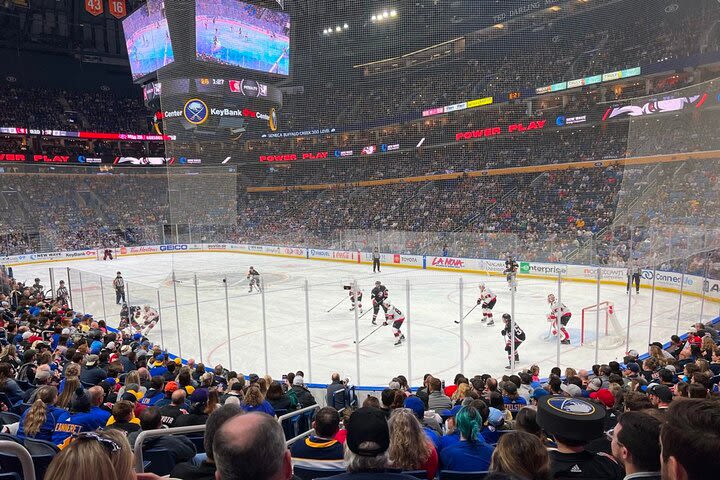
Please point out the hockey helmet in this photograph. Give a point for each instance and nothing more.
(387, 304)
(551, 298)
(481, 285)
(378, 283)
(506, 317)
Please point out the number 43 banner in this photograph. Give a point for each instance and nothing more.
(118, 8)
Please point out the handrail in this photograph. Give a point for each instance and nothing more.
(28, 468)
(137, 448)
(299, 437)
(295, 413)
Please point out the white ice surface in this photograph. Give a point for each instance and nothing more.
(434, 305)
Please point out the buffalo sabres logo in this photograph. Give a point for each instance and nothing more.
(196, 111)
(571, 405)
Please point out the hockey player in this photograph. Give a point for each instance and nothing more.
(150, 318)
(507, 332)
(356, 299)
(487, 300)
(107, 254)
(392, 314)
(379, 295)
(511, 268)
(254, 278)
(558, 310)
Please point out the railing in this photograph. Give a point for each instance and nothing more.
(161, 432)
(28, 468)
(295, 413)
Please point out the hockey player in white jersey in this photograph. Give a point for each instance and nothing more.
(356, 299)
(558, 310)
(487, 300)
(394, 315)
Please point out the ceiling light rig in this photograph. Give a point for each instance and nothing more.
(336, 29)
(384, 16)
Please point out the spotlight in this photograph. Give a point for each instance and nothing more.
(373, 18)
(338, 29)
(385, 14)
(346, 26)
(393, 13)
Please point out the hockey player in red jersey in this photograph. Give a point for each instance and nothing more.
(507, 332)
(558, 310)
(394, 315)
(487, 300)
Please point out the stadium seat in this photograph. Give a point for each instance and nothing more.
(10, 476)
(161, 461)
(311, 473)
(453, 475)
(23, 384)
(198, 441)
(4, 400)
(415, 473)
(42, 453)
(8, 418)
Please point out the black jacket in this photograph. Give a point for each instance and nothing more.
(179, 446)
(305, 398)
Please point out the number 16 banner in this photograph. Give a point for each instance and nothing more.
(118, 8)
(94, 7)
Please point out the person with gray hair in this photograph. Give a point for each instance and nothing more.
(304, 397)
(366, 448)
(251, 447)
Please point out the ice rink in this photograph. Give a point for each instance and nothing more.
(433, 339)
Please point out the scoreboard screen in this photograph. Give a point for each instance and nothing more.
(238, 34)
(147, 38)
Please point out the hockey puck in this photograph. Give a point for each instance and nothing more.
(571, 418)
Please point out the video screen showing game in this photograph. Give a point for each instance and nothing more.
(229, 32)
(147, 37)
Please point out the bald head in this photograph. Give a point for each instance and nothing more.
(178, 397)
(251, 447)
(96, 395)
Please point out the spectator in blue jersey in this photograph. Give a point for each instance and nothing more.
(155, 393)
(418, 408)
(91, 373)
(471, 453)
(206, 469)
(87, 415)
(512, 399)
(39, 420)
(453, 434)
(254, 401)
(158, 366)
(320, 451)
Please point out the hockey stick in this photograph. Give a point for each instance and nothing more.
(363, 314)
(333, 308)
(458, 321)
(366, 336)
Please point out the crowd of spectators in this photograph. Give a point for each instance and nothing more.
(90, 390)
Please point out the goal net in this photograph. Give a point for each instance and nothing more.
(607, 333)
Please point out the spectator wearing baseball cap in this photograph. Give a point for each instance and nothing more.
(368, 439)
(471, 453)
(660, 395)
(158, 366)
(197, 414)
(418, 408)
(631, 375)
(512, 399)
(453, 434)
(91, 373)
(571, 390)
